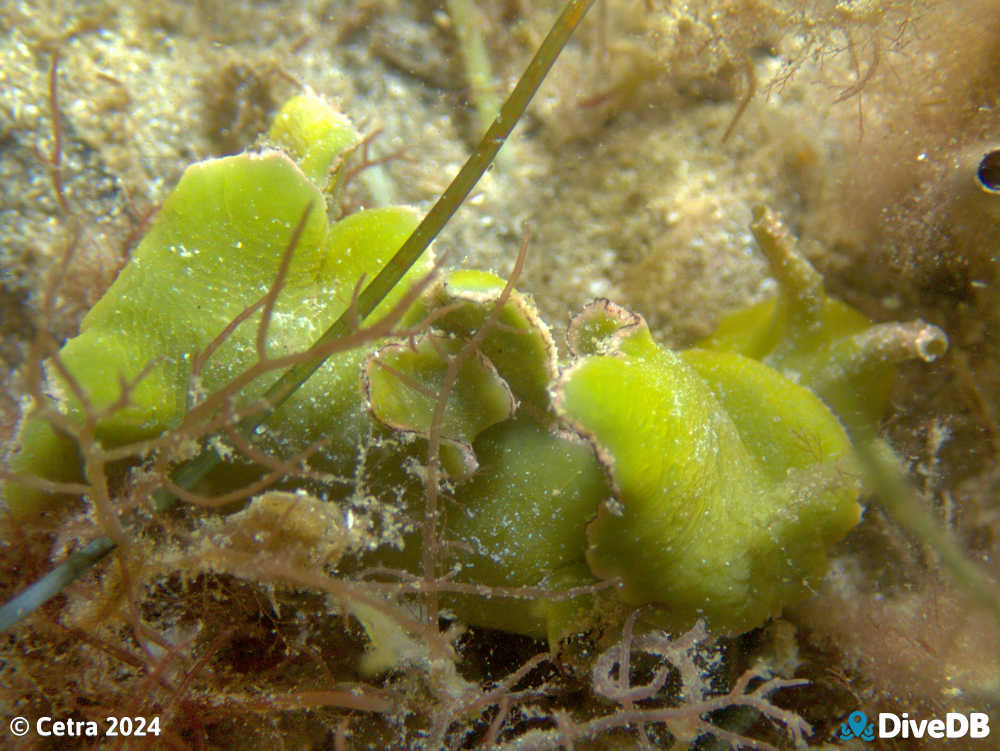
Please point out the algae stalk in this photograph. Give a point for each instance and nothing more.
(478, 74)
(899, 502)
(30, 599)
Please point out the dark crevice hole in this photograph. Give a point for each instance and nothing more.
(989, 171)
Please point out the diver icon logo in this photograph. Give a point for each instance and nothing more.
(954, 725)
(857, 726)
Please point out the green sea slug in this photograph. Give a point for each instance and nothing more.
(717, 478)
(709, 483)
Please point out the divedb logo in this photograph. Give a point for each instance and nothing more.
(889, 725)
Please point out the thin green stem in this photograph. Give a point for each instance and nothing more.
(33, 597)
(902, 505)
(467, 21)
